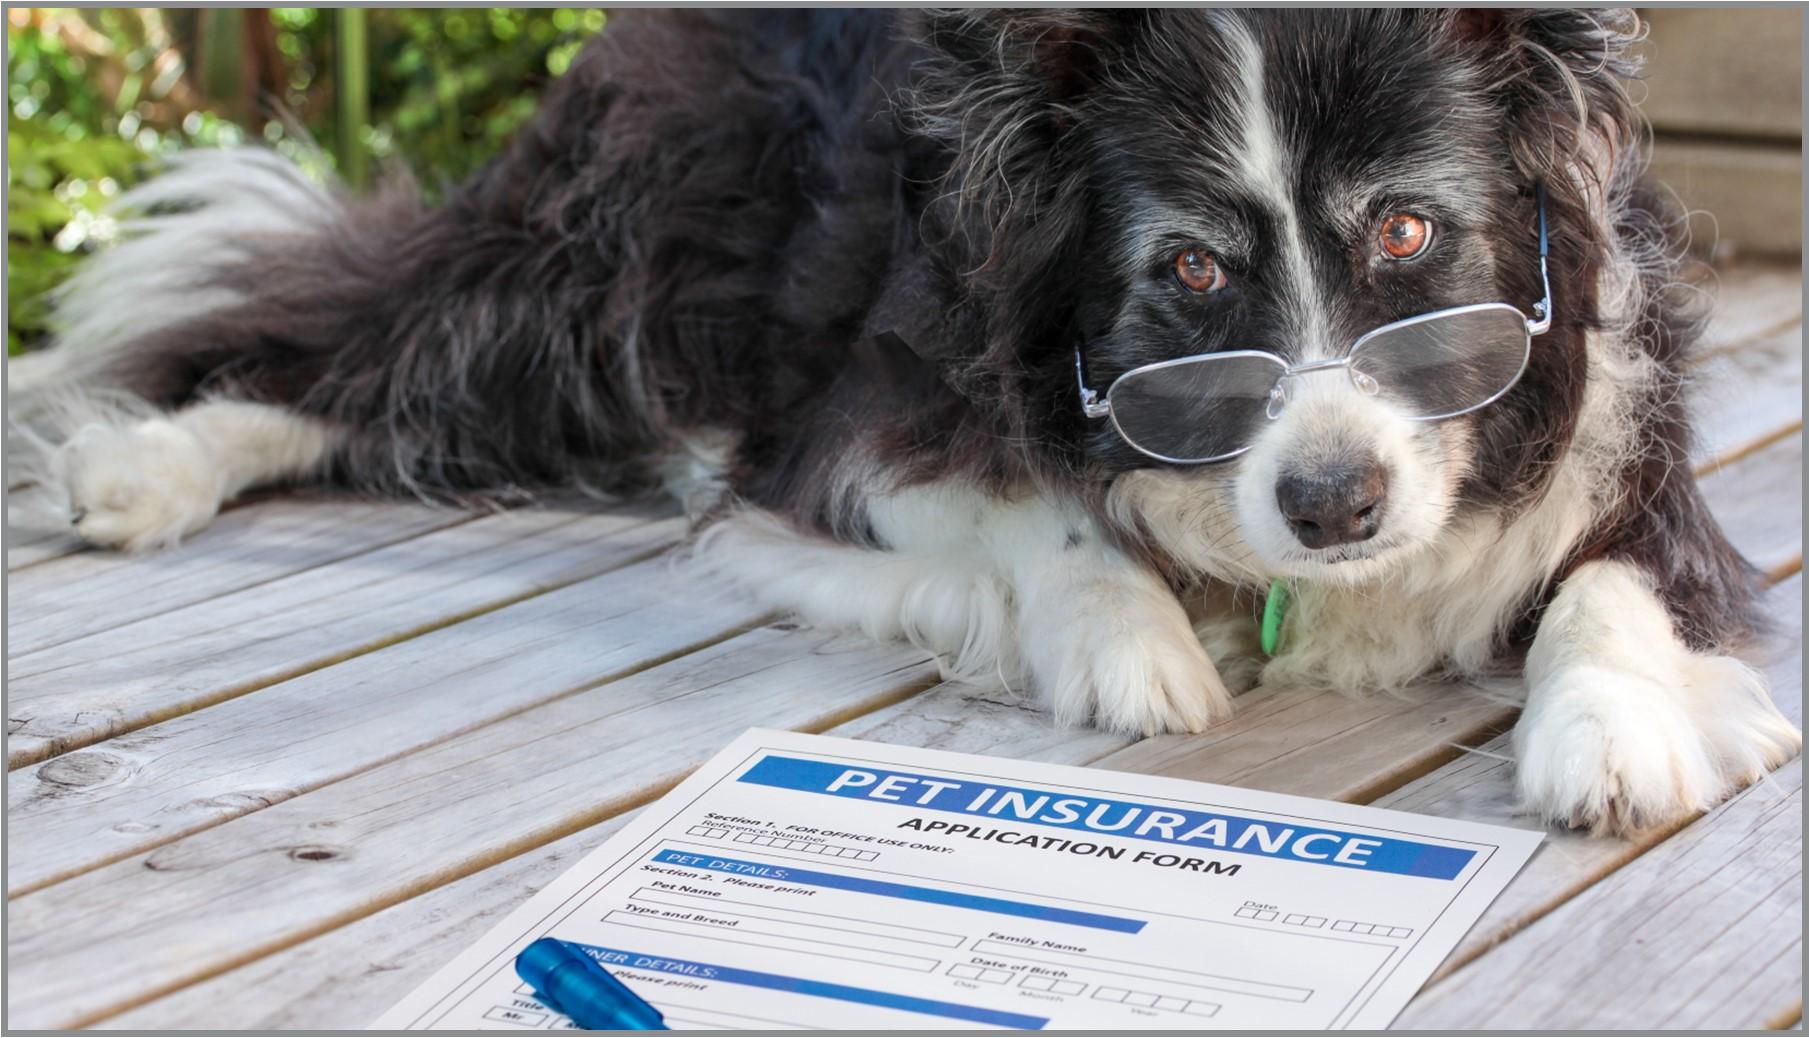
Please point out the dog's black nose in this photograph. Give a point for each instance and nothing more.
(1337, 506)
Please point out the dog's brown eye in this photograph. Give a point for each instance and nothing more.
(1405, 235)
(1198, 271)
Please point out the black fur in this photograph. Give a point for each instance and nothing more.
(712, 211)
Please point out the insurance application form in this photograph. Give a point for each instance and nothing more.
(799, 881)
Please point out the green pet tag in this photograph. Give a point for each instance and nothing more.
(1275, 607)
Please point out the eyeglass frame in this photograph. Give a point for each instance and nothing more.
(1093, 405)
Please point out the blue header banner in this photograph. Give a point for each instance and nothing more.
(1198, 830)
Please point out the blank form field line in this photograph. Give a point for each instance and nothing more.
(826, 949)
(1169, 974)
(700, 1011)
(785, 914)
(730, 921)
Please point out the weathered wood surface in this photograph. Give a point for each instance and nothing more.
(1757, 301)
(346, 978)
(1743, 200)
(1759, 500)
(248, 546)
(26, 546)
(1725, 71)
(1745, 395)
(330, 833)
(1728, 122)
(273, 877)
(148, 787)
(1703, 931)
(69, 695)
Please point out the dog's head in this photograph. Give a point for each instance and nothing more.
(1180, 183)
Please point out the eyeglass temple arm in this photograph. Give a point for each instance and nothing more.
(1542, 309)
(1090, 403)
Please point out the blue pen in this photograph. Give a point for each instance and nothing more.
(573, 983)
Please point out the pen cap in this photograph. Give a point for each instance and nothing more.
(583, 990)
(539, 961)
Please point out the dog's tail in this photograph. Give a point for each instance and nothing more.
(603, 286)
(210, 209)
(177, 236)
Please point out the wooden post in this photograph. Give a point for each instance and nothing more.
(222, 71)
(353, 89)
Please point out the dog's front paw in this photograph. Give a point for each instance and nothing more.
(139, 487)
(1132, 665)
(1614, 752)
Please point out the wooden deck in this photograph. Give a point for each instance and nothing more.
(278, 776)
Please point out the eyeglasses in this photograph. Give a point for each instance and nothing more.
(1210, 407)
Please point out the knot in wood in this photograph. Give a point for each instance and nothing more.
(81, 770)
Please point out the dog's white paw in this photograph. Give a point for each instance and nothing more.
(138, 487)
(1614, 752)
(1131, 664)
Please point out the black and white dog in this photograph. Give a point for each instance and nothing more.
(893, 296)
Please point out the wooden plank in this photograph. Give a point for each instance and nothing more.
(1769, 975)
(1744, 200)
(146, 788)
(1751, 302)
(1724, 71)
(1759, 501)
(1671, 940)
(28, 547)
(965, 718)
(1749, 394)
(344, 979)
(1323, 743)
(1480, 787)
(76, 693)
(263, 881)
(93, 591)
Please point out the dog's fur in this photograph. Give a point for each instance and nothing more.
(685, 269)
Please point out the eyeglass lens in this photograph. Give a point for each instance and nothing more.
(1196, 410)
(1448, 364)
(1211, 407)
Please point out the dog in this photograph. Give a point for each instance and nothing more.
(918, 310)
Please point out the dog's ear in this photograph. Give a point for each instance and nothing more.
(1003, 93)
(1560, 79)
(1047, 56)
(1000, 90)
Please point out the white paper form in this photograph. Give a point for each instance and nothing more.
(800, 881)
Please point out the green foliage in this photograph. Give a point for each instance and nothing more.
(57, 186)
(99, 95)
(457, 85)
